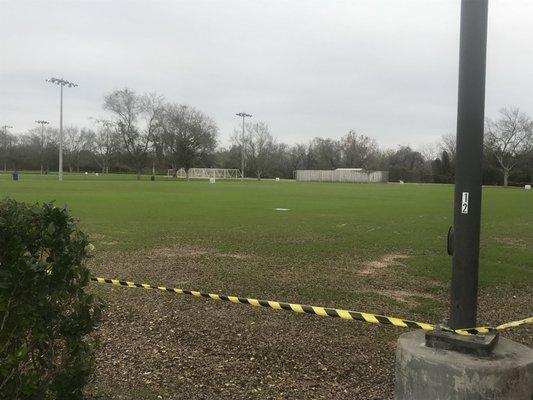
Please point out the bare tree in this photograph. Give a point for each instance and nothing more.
(430, 151)
(188, 135)
(103, 144)
(260, 147)
(449, 145)
(75, 141)
(7, 142)
(357, 150)
(508, 138)
(47, 138)
(324, 153)
(136, 119)
(297, 157)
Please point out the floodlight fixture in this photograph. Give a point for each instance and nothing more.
(243, 115)
(61, 83)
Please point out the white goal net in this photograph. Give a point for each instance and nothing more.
(205, 173)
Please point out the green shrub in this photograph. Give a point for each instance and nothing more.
(45, 313)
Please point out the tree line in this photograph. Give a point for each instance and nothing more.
(144, 133)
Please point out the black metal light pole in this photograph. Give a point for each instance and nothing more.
(468, 172)
(243, 115)
(486, 368)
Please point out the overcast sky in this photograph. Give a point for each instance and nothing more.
(387, 69)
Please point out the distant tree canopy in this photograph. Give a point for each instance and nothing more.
(188, 136)
(405, 164)
(358, 150)
(143, 132)
(136, 119)
(442, 169)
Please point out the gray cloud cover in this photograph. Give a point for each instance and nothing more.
(307, 68)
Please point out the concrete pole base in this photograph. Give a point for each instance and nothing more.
(424, 373)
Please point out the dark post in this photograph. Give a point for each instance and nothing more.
(489, 366)
(468, 173)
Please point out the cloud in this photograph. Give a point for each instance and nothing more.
(314, 68)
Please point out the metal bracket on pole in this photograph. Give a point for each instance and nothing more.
(480, 345)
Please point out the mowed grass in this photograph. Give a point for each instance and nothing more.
(374, 248)
(324, 222)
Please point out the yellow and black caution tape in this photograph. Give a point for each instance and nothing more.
(322, 311)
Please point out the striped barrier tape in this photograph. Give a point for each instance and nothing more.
(321, 311)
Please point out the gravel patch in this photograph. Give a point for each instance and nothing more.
(156, 345)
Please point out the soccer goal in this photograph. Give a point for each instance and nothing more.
(205, 173)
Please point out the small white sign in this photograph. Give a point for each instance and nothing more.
(527, 187)
(464, 203)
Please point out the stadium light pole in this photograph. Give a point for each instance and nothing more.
(42, 123)
(428, 365)
(5, 128)
(61, 82)
(243, 115)
(468, 171)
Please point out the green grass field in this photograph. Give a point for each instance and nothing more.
(324, 222)
(375, 248)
